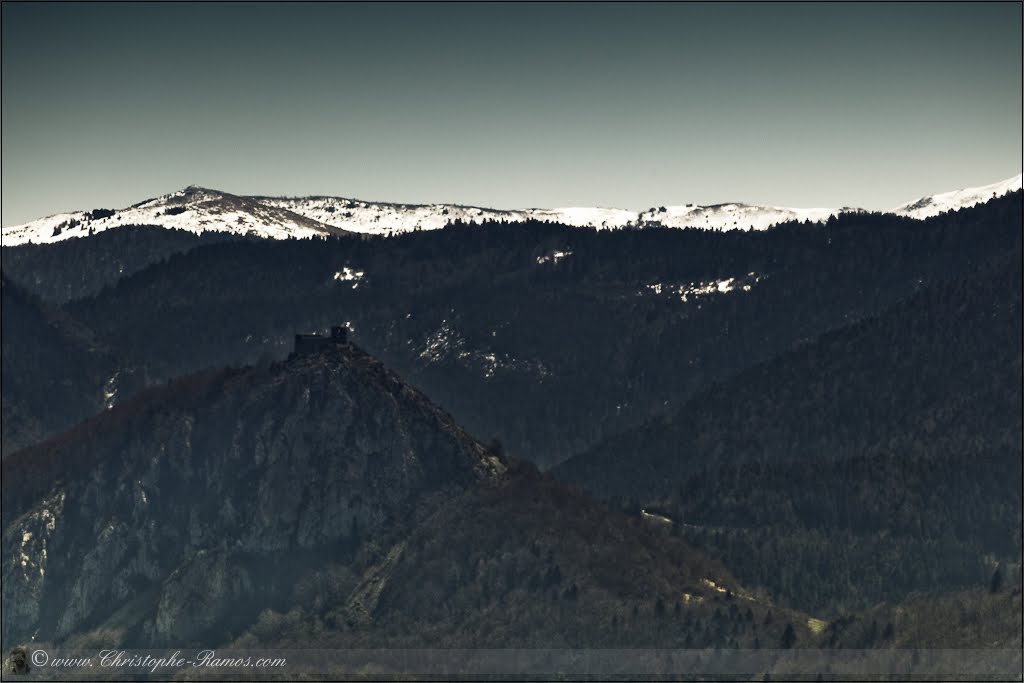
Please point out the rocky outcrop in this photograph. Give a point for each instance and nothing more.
(175, 509)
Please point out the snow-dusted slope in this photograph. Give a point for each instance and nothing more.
(381, 218)
(197, 209)
(732, 216)
(957, 199)
(585, 217)
(194, 209)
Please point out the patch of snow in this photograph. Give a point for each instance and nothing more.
(347, 274)
(110, 391)
(446, 343)
(442, 343)
(699, 289)
(654, 517)
(489, 363)
(26, 536)
(36, 528)
(553, 257)
(712, 585)
(140, 493)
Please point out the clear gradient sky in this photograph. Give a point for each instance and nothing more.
(510, 105)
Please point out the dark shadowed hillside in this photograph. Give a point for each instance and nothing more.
(55, 371)
(524, 562)
(77, 268)
(881, 459)
(323, 502)
(250, 474)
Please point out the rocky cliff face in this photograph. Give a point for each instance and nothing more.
(169, 513)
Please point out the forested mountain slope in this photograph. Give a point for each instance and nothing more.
(545, 337)
(55, 370)
(322, 501)
(883, 458)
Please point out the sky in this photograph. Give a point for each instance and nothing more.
(508, 105)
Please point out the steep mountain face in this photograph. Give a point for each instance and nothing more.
(217, 490)
(55, 371)
(201, 210)
(889, 451)
(323, 502)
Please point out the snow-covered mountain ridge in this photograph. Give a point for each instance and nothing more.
(957, 199)
(199, 209)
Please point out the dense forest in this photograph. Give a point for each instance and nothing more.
(884, 457)
(81, 267)
(56, 372)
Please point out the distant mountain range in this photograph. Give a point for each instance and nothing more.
(199, 210)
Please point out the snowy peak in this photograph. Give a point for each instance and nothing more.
(926, 207)
(195, 209)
